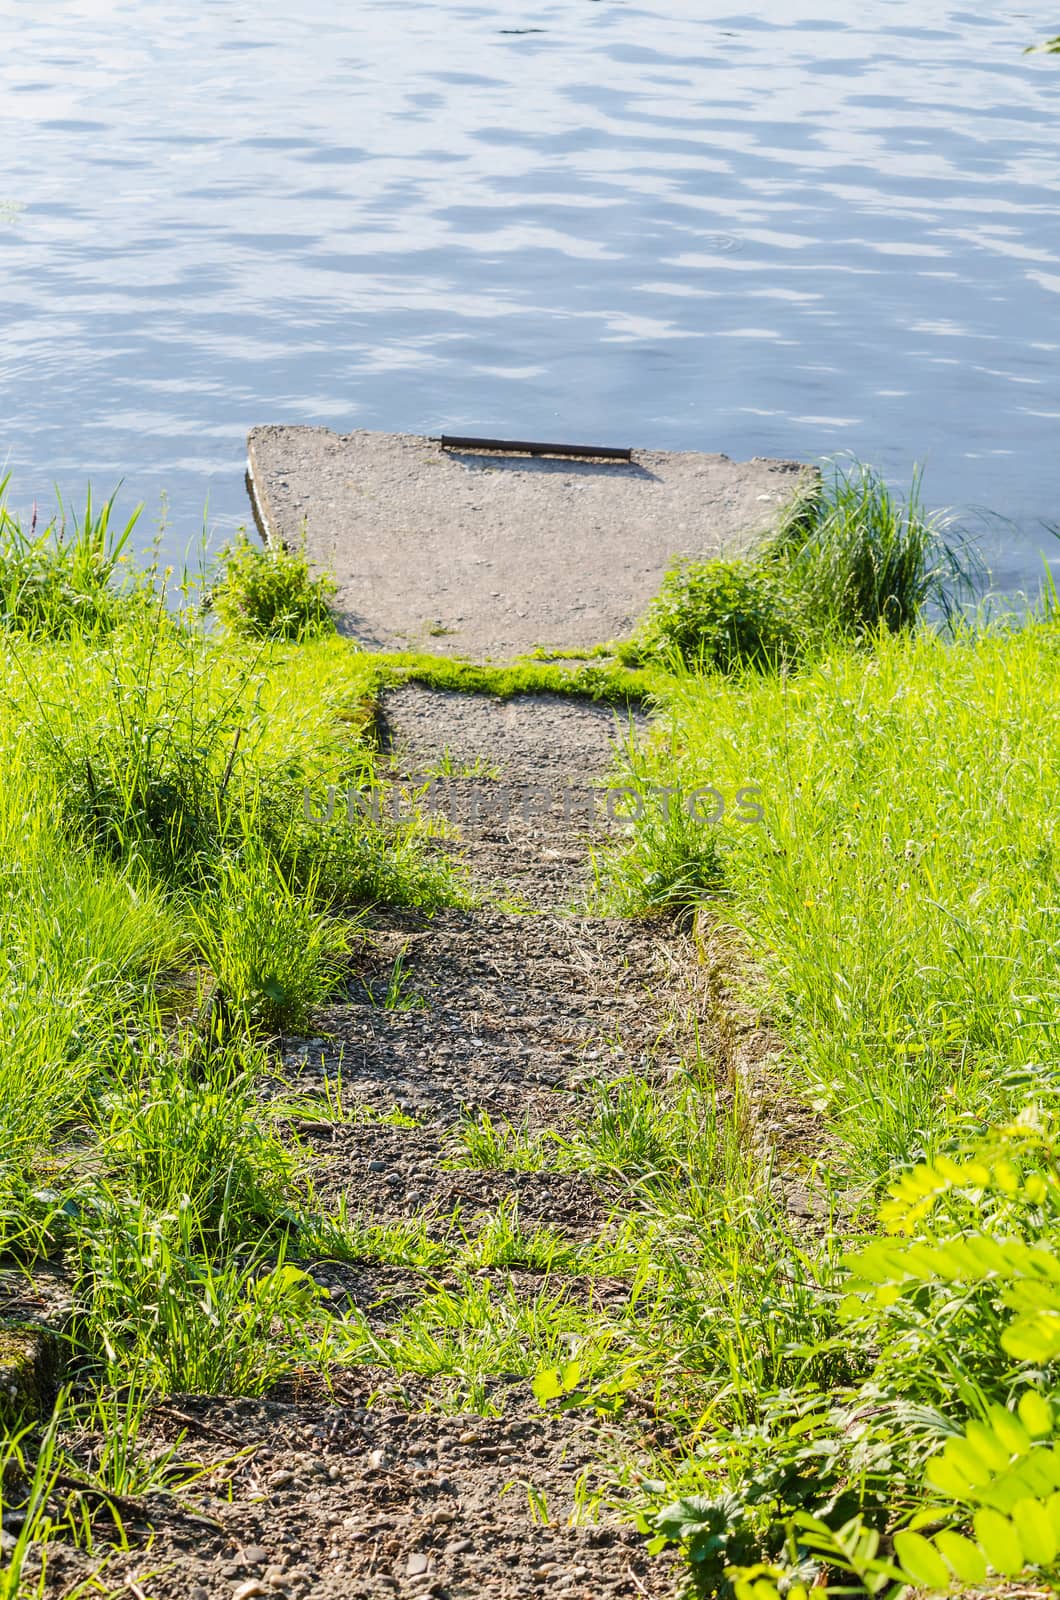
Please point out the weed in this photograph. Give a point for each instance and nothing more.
(671, 863)
(65, 579)
(450, 766)
(482, 1330)
(175, 1142)
(484, 1144)
(847, 559)
(502, 1241)
(154, 1308)
(342, 1237)
(274, 954)
(365, 863)
(152, 779)
(397, 995)
(536, 1500)
(332, 1106)
(115, 1461)
(721, 614)
(28, 1483)
(269, 592)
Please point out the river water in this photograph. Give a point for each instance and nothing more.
(776, 229)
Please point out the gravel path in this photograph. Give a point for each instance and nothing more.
(376, 1487)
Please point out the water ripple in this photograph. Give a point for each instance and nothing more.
(748, 232)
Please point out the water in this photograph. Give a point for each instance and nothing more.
(776, 230)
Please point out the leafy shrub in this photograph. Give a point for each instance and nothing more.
(955, 1479)
(269, 592)
(723, 614)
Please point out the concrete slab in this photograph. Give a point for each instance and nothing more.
(489, 555)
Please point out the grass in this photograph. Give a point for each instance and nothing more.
(274, 953)
(169, 1314)
(898, 901)
(266, 593)
(849, 559)
(68, 575)
(862, 559)
(497, 1240)
(178, 1137)
(897, 893)
(661, 1143)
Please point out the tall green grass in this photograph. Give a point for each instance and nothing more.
(898, 895)
(71, 575)
(153, 843)
(848, 559)
(861, 558)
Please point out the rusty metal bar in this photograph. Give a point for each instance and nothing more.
(523, 447)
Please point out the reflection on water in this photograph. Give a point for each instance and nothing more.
(774, 231)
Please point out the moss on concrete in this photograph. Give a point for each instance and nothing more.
(606, 680)
(29, 1367)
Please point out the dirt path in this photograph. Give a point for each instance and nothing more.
(483, 1019)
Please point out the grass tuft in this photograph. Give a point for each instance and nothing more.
(69, 576)
(725, 615)
(862, 559)
(266, 592)
(273, 953)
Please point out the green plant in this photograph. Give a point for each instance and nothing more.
(64, 579)
(961, 1305)
(270, 592)
(890, 914)
(657, 1139)
(359, 863)
(672, 861)
(28, 1484)
(273, 952)
(723, 614)
(153, 1306)
(117, 1462)
(480, 1329)
(564, 1389)
(502, 1241)
(173, 1141)
(482, 1143)
(154, 776)
(863, 560)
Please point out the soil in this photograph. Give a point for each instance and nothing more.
(376, 1483)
